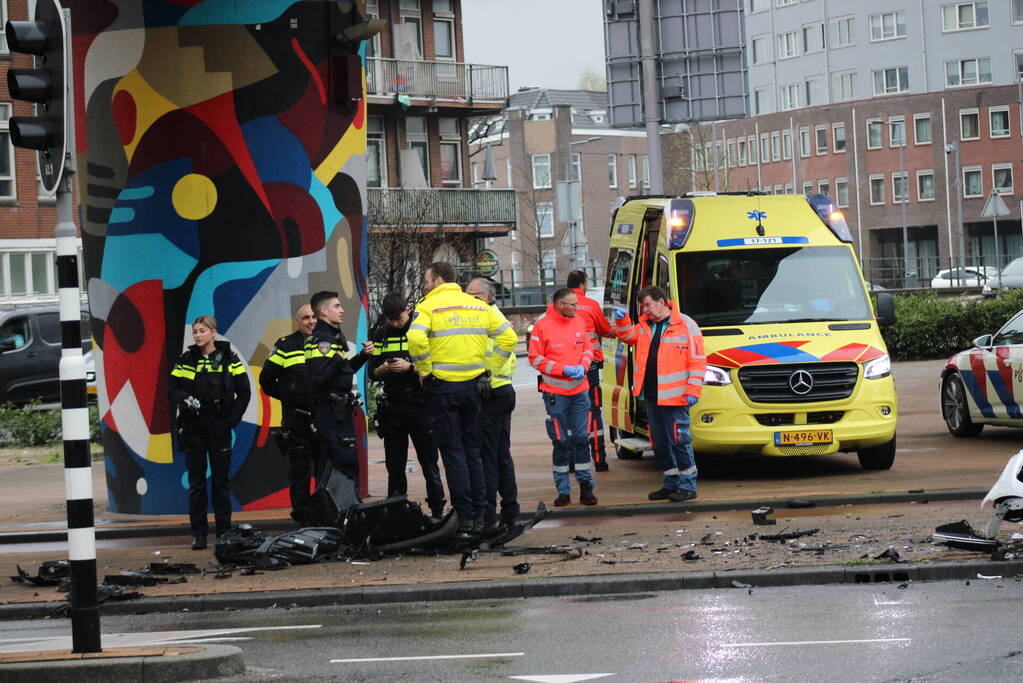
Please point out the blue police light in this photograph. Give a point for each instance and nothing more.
(679, 220)
(831, 216)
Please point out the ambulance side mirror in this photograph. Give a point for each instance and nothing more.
(885, 309)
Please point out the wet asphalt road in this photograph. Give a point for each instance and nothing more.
(949, 631)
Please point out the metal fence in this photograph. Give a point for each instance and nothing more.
(439, 206)
(932, 272)
(450, 80)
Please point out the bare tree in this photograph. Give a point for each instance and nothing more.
(591, 79)
(536, 211)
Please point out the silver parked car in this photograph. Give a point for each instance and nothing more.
(1011, 278)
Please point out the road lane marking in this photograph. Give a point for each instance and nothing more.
(560, 678)
(142, 638)
(425, 657)
(818, 642)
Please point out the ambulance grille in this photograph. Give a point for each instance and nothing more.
(771, 383)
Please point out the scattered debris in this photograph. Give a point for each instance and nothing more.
(740, 584)
(889, 554)
(50, 573)
(619, 561)
(760, 516)
(708, 539)
(691, 556)
(133, 578)
(788, 535)
(522, 568)
(963, 536)
(583, 539)
(989, 578)
(170, 568)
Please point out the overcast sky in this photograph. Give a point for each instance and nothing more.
(545, 43)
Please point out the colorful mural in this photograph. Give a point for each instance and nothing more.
(219, 175)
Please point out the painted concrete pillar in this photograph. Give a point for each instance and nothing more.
(220, 176)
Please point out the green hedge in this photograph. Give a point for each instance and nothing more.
(930, 326)
(26, 425)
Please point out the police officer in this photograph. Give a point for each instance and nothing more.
(448, 344)
(210, 389)
(401, 407)
(496, 414)
(331, 375)
(284, 377)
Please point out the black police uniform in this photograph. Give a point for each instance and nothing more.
(221, 385)
(331, 375)
(284, 377)
(401, 414)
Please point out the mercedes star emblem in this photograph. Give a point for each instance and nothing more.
(801, 382)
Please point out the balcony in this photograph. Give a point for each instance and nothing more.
(460, 210)
(467, 83)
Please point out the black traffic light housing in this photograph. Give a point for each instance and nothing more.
(45, 85)
(350, 26)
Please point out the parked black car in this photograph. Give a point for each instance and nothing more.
(30, 353)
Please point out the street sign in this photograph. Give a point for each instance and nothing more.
(569, 200)
(994, 207)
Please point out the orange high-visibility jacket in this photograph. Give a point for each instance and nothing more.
(681, 361)
(557, 341)
(596, 324)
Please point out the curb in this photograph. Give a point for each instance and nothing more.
(503, 589)
(922, 497)
(212, 661)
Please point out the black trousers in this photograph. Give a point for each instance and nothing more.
(595, 428)
(207, 439)
(495, 451)
(455, 413)
(335, 442)
(403, 421)
(300, 447)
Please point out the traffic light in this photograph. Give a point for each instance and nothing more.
(45, 85)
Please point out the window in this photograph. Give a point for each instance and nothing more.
(820, 136)
(877, 189)
(762, 101)
(891, 80)
(1001, 178)
(896, 131)
(969, 124)
(443, 7)
(1018, 57)
(751, 145)
(777, 189)
(775, 146)
(8, 190)
(376, 157)
(508, 173)
(759, 5)
(27, 272)
(804, 141)
(873, 134)
(765, 148)
(444, 38)
(732, 161)
(550, 262)
(963, 16)
(545, 219)
(516, 265)
(612, 170)
(967, 72)
(813, 37)
(575, 168)
(838, 131)
(16, 331)
(541, 170)
(899, 189)
(3, 19)
(887, 26)
(786, 144)
(922, 129)
(816, 91)
(824, 187)
(999, 120)
(742, 151)
(841, 32)
(789, 97)
(450, 162)
(925, 186)
(783, 3)
(788, 188)
(807, 187)
(842, 192)
(415, 131)
(973, 183)
(760, 49)
(632, 170)
(1017, 11)
(843, 86)
(788, 45)
(644, 167)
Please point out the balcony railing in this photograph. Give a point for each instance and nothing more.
(446, 80)
(438, 206)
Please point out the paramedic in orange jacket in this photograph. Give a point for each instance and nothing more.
(561, 351)
(597, 326)
(669, 369)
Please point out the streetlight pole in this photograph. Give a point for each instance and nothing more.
(904, 184)
(568, 177)
(953, 149)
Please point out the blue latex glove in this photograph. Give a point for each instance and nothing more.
(574, 371)
(617, 313)
(691, 400)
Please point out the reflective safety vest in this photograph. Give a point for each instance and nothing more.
(556, 342)
(596, 324)
(330, 368)
(503, 376)
(681, 361)
(448, 336)
(284, 374)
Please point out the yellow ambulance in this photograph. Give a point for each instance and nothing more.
(796, 362)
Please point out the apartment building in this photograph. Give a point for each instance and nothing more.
(544, 137)
(889, 108)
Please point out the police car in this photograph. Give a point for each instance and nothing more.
(984, 384)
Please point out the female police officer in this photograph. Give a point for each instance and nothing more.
(210, 390)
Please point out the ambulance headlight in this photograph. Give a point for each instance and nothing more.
(716, 377)
(878, 368)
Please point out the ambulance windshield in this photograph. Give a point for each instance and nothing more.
(771, 285)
